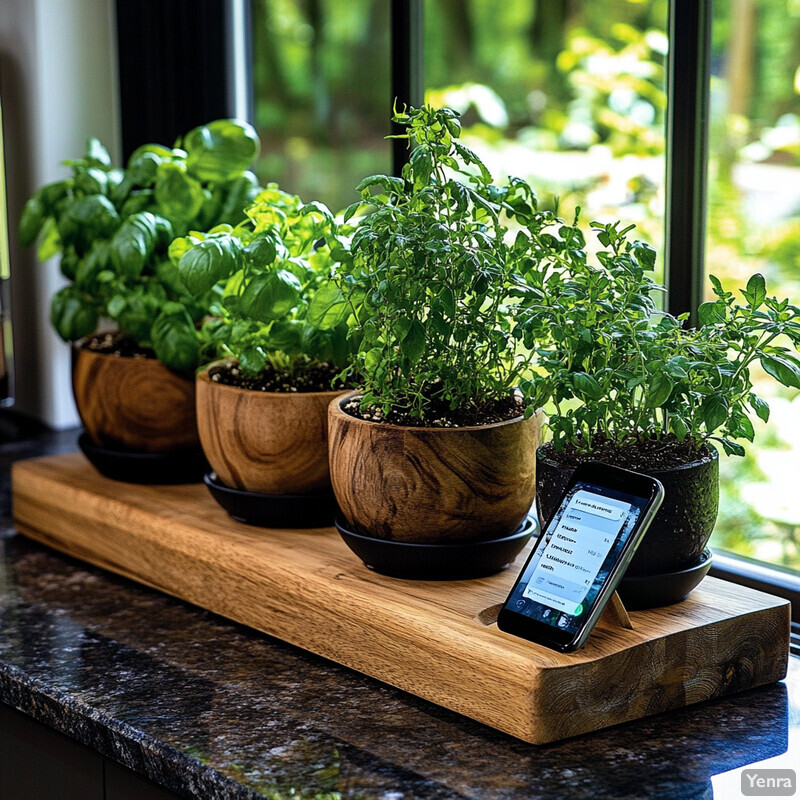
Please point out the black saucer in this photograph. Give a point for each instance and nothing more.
(654, 591)
(454, 561)
(274, 510)
(182, 466)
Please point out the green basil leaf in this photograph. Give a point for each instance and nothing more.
(757, 289)
(137, 315)
(252, 360)
(31, 221)
(761, 407)
(133, 244)
(401, 327)
(86, 219)
(50, 244)
(239, 194)
(180, 246)
(286, 336)
(316, 344)
(178, 195)
(91, 181)
(587, 386)
(732, 448)
(139, 200)
(212, 205)
(233, 286)
(91, 265)
(658, 390)
(175, 339)
(261, 252)
(413, 345)
(119, 192)
(782, 369)
(221, 150)
(440, 325)
(270, 296)
(159, 151)
(52, 194)
(717, 285)
(743, 426)
(351, 210)
(72, 315)
(448, 300)
(69, 264)
(422, 164)
(645, 254)
(170, 277)
(391, 184)
(209, 262)
(164, 233)
(715, 411)
(341, 348)
(143, 167)
(712, 313)
(328, 307)
(676, 367)
(679, 427)
(115, 306)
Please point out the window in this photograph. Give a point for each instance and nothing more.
(754, 226)
(321, 80)
(569, 96)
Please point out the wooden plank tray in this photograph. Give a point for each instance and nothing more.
(433, 639)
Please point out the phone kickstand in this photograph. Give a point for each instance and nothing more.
(615, 613)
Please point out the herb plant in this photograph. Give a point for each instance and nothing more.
(112, 228)
(431, 275)
(620, 373)
(264, 276)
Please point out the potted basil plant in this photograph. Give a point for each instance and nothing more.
(432, 460)
(631, 385)
(112, 228)
(262, 405)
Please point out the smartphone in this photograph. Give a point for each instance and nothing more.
(581, 556)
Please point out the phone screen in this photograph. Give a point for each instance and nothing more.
(575, 555)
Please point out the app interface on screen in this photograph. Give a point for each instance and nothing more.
(575, 555)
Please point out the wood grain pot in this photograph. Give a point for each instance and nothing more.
(134, 404)
(268, 442)
(432, 484)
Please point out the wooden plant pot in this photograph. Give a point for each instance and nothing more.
(266, 442)
(133, 404)
(422, 485)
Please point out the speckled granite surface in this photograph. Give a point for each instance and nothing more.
(213, 710)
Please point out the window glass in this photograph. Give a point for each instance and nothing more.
(754, 226)
(568, 95)
(321, 79)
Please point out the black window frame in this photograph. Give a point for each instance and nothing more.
(141, 36)
(174, 67)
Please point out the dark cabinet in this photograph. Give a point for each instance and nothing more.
(122, 784)
(39, 764)
(36, 763)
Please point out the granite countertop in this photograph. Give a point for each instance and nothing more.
(213, 710)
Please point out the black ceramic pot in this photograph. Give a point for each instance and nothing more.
(681, 528)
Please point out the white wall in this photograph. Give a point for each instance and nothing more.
(58, 86)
